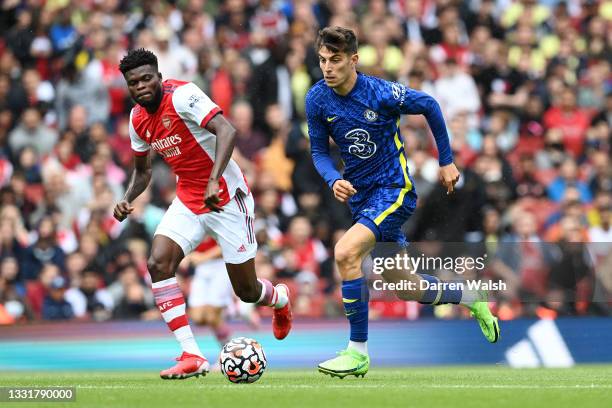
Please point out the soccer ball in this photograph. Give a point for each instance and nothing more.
(242, 360)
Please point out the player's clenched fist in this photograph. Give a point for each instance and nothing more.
(211, 196)
(449, 176)
(343, 190)
(122, 210)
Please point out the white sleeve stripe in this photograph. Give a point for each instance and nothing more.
(138, 145)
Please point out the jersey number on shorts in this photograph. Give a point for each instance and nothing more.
(362, 146)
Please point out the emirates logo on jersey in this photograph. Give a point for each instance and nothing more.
(167, 142)
(168, 147)
(166, 121)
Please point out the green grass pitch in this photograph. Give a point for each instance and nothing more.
(490, 387)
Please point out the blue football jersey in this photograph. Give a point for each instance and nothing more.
(365, 126)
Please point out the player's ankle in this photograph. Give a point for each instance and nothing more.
(360, 346)
(282, 296)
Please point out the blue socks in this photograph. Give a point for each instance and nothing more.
(355, 297)
(436, 295)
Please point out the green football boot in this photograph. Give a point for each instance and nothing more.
(488, 323)
(348, 362)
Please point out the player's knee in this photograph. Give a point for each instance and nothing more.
(159, 268)
(346, 256)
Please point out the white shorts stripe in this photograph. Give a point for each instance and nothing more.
(248, 218)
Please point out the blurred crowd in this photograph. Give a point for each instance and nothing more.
(525, 87)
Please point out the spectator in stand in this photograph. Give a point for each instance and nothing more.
(40, 93)
(523, 261)
(528, 184)
(553, 153)
(120, 143)
(269, 19)
(456, 92)
(29, 165)
(9, 273)
(65, 154)
(69, 194)
(571, 208)
(571, 272)
(449, 218)
(175, 60)
(603, 231)
(32, 132)
(55, 306)
(44, 250)
(273, 158)
(37, 290)
(132, 299)
(568, 177)
(76, 88)
(249, 141)
(571, 120)
(453, 46)
(78, 125)
(491, 230)
(601, 177)
(22, 196)
(89, 299)
(379, 57)
(496, 173)
(13, 305)
(303, 253)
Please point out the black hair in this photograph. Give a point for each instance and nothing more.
(137, 58)
(337, 39)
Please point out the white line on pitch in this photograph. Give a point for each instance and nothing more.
(307, 386)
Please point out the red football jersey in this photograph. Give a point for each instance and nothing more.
(176, 131)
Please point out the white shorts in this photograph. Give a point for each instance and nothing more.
(211, 285)
(232, 228)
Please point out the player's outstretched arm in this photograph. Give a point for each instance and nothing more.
(410, 101)
(226, 140)
(141, 176)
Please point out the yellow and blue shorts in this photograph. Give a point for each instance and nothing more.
(384, 210)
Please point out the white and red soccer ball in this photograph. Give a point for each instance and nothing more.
(242, 360)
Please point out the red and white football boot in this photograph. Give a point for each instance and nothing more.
(189, 365)
(281, 319)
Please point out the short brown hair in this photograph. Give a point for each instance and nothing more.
(337, 39)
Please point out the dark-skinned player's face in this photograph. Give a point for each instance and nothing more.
(144, 84)
(336, 66)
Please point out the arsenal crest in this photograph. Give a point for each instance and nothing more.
(166, 121)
